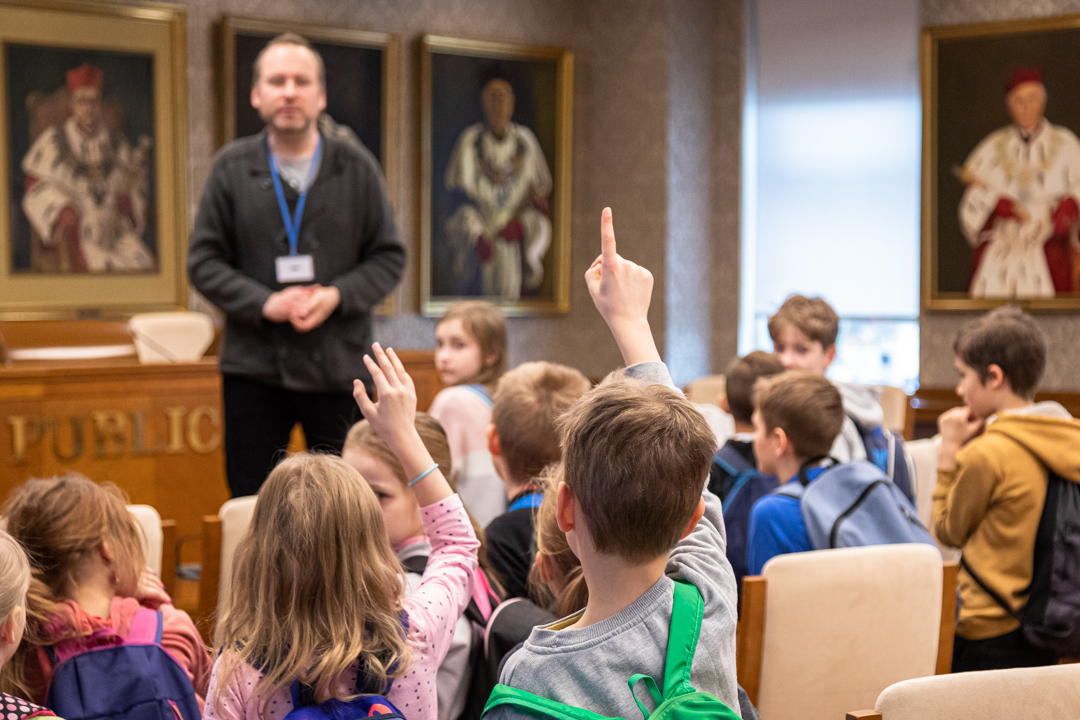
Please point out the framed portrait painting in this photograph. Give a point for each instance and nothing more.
(93, 158)
(496, 132)
(1001, 165)
(361, 88)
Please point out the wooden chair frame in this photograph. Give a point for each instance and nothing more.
(209, 576)
(750, 632)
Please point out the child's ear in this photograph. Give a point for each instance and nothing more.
(106, 552)
(564, 512)
(783, 443)
(7, 629)
(995, 378)
(723, 403)
(830, 354)
(699, 511)
(493, 441)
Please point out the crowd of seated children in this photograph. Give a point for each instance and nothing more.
(734, 477)
(804, 333)
(14, 583)
(376, 462)
(993, 470)
(317, 600)
(523, 441)
(796, 420)
(90, 586)
(634, 508)
(470, 357)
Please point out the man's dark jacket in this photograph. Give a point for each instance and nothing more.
(347, 227)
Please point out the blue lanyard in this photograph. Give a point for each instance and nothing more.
(292, 224)
(532, 500)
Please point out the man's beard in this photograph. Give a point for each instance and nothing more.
(298, 130)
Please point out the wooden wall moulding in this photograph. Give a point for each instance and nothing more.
(928, 403)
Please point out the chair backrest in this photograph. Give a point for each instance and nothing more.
(924, 453)
(706, 389)
(842, 625)
(1049, 693)
(894, 403)
(171, 336)
(235, 517)
(153, 539)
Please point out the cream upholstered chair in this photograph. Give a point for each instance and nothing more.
(894, 404)
(221, 534)
(158, 541)
(924, 453)
(168, 337)
(1048, 693)
(823, 632)
(705, 389)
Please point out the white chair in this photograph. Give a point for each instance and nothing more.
(706, 389)
(221, 534)
(169, 337)
(1047, 693)
(158, 541)
(924, 453)
(822, 632)
(894, 404)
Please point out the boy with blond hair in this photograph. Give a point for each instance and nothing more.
(1005, 462)
(523, 440)
(635, 511)
(796, 420)
(804, 333)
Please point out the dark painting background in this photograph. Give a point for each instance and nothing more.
(127, 84)
(456, 82)
(353, 88)
(972, 73)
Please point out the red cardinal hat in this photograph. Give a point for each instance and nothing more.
(1021, 76)
(86, 75)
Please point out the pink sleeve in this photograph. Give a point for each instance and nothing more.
(440, 599)
(183, 642)
(230, 701)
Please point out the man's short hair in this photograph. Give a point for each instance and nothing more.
(1010, 339)
(808, 408)
(636, 457)
(742, 373)
(289, 38)
(528, 401)
(813, 317)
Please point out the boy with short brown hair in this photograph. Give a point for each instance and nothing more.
(804, 332)
(633, 507)
(796, 420)
(523, 440)
(997, 452)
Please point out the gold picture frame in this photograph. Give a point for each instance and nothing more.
(453, 72)
(965, 71)
(137, 261)
(363, 53)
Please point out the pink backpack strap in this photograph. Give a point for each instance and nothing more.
(482, 593)
(146, 628)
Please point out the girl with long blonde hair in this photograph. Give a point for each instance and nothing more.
(373, 458)
(90, 586)
(556, 579)
(14, 582)
(317, 595)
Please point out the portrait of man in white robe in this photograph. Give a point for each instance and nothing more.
(1019, 210)
(499, 229)
(86, 188)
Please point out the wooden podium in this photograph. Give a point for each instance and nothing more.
(153, 430)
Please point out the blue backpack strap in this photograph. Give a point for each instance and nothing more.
(482, 391)
(732, 461)
(532, 500)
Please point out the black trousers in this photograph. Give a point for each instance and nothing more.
(1010, 650)
(259, 419)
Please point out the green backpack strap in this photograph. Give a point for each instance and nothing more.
(686, 615)
(532, 704)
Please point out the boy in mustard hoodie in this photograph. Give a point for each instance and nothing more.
(992, 480)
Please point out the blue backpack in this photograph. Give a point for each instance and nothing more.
(885, 449)
(746, 486)
(853, 505)
(105, 676)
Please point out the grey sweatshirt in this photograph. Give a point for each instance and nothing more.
(589, 668)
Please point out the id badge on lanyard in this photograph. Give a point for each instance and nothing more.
(294, 267)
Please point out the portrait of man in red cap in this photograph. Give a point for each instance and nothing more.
(1019, 209)
(86, 187)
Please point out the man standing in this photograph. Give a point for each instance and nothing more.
(501, 228)
(86, 190)
(295, 243)
(1019, 210)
